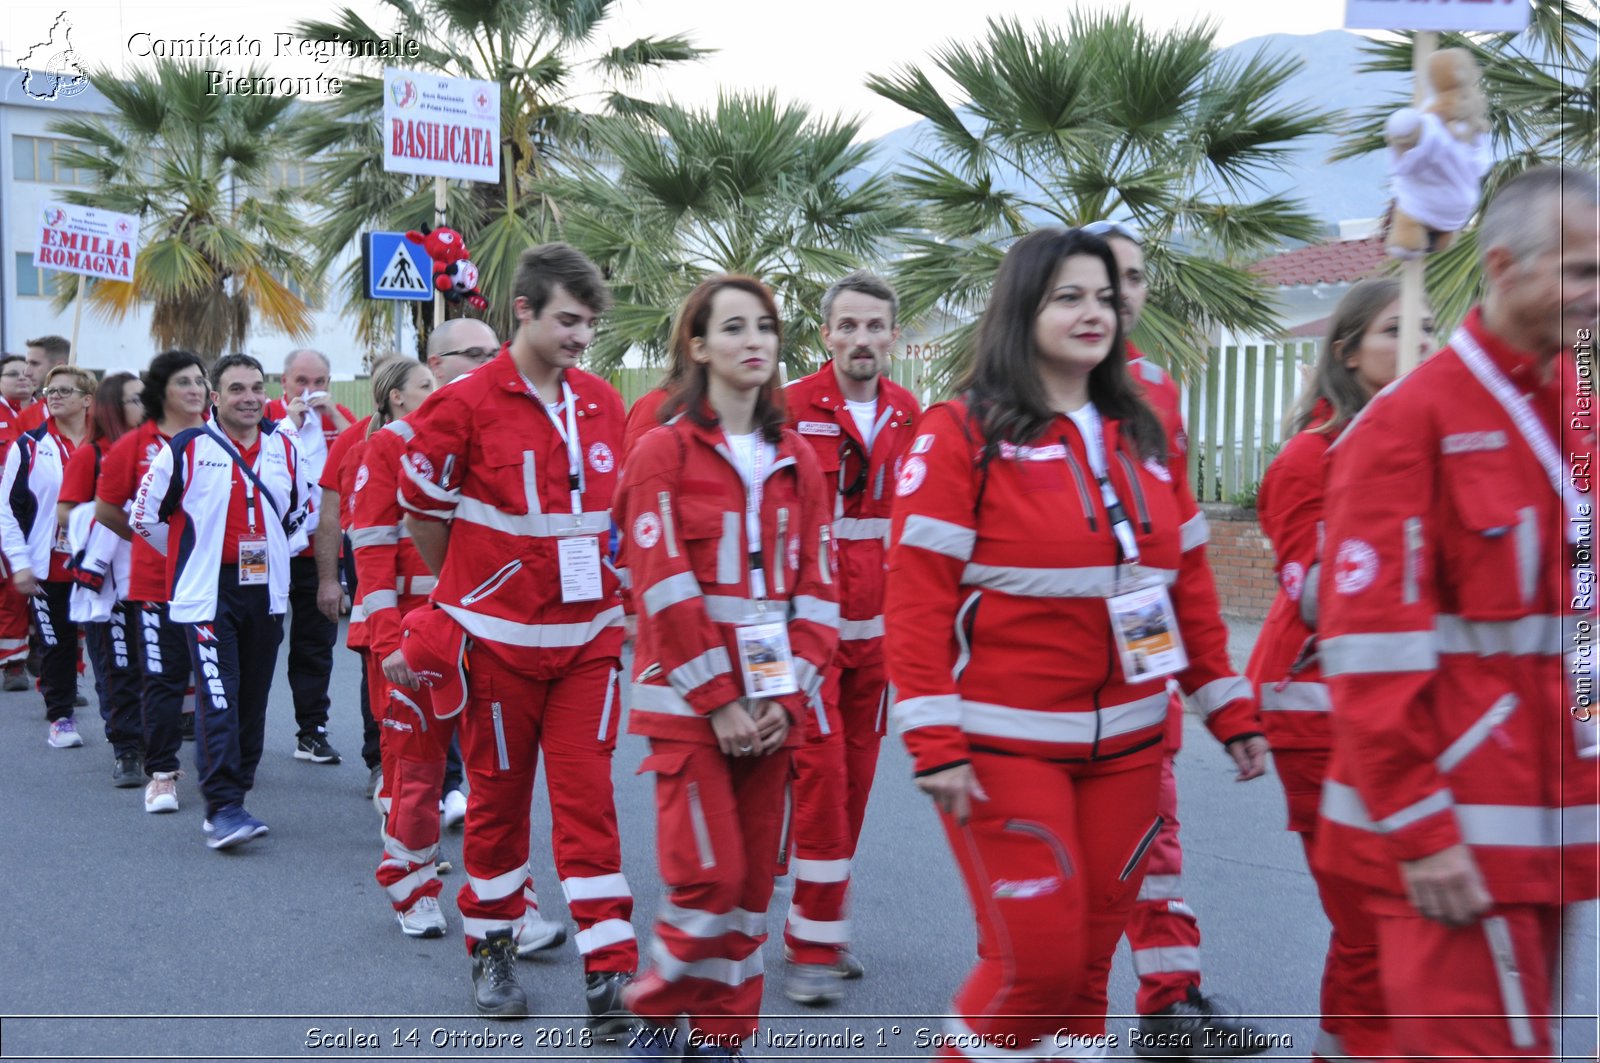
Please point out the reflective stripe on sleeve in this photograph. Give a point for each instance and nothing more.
(669, 592)
(1377, 652)
(1519, 826)
(651, 697)
(858, 630)
(377, 600)
(1539, 635)
(938, 536)
(696, 673)
(1296, 697)
(1196, 531)
(861, 529)
(381, 535)
(934, 710)
(815, 610)
(1220, 692)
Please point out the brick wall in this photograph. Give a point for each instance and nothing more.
(1241, 559)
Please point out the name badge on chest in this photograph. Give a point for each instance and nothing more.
(62, 546)
(765, 659)
(1146, 630)
(580, 568)
(252, 562)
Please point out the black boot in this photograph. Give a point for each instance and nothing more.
(1192, 1028)
(494, 978)
(608, 1019)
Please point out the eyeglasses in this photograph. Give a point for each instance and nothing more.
(137, 400)
(472, 354)
(63, 393)
(18, 375)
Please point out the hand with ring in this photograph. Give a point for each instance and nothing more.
(736, 732)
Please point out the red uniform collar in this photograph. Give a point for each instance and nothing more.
(1133, 353)
(1519, 366)
(503, 373)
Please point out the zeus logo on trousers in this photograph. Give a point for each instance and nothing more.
(205, 644)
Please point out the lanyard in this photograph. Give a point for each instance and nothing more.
(1527, 424)
(755, 484)
(247, 474)
(569, 435)
(1121, 524)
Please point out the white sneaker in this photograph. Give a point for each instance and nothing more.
(161, 793)
(535, 934)
(454, 809)
(64, 734)
(423, 919)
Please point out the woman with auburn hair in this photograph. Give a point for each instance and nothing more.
(109, 619)
(1358, 360)
(1047, 577)
(725, 532)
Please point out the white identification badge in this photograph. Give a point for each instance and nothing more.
(580, 569)
(1147, 635)
(252, 562)
(765, 659)
(62, 545)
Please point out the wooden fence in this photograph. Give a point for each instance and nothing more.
(1235, 409)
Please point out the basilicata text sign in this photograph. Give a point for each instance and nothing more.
(1503, 16)
(441, 127)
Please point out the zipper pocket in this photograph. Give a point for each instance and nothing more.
(492, 584)
(1083, 487)
(664, 499)
(702, 833)
(1138, 492)
(500, 737)
(1143, 847)
(605, 713)
(788, 823)
(966, 623)
(823, 562)
(1050, 841)
(1512, 996)
(649, 673)
(780, 547)
(1411, 574)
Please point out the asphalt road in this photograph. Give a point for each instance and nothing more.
(128, 938)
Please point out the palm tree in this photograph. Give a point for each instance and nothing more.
(222, 245)
(533, 49)
(749, 186)
(1542, 86)
(1104, 119)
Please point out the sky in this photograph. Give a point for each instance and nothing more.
(817, 51)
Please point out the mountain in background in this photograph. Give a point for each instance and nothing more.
(1332, 192)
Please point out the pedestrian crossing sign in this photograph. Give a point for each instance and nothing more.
(396, 268)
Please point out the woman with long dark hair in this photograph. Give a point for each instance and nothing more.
(1047, 577)
(175, 397)
(726, 535)
(106, 614)
(1358, 359)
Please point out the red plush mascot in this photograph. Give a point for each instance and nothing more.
(453, 271)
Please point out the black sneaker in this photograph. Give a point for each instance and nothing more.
(315, 748)
(495, 991)
(128, 772)
(608, 1019)
(1197, 1027)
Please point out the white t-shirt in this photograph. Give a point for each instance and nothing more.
(865, 414)
(1087, 418)
(752, 457)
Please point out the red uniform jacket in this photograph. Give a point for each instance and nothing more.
(486, 455)
(998, 633)
(1283, 666)
(682, 510)
(860, 494)
(1447, 600)
(642, 418)
(391, 577)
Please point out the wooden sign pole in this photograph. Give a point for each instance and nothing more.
(438, 220)
(1413, 292)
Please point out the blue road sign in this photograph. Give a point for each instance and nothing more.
(396, 268)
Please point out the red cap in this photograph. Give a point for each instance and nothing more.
(435, 648)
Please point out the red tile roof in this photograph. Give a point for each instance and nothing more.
(1339, 262)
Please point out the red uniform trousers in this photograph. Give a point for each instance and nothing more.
(1355, 1023)
(14, 619)
(1052, 862)
(1163, 933)
(412, 745)
(721, 840)
(510, 717)
(840, 761)
(1509, 956)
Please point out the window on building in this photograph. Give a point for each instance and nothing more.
(288, 173)
(38, 159)
(312, 299)
(31, 280)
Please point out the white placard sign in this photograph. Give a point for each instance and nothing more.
(441, 127)
(88, 240)
(1495, 16)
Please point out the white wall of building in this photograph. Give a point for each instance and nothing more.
(102, 344)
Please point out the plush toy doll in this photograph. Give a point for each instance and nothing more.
(1437, 157)
(453, 271)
